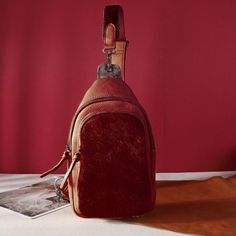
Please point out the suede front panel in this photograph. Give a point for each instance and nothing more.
(114, 179)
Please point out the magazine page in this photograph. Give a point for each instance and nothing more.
(34, 200)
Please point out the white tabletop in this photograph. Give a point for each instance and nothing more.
(62, 222)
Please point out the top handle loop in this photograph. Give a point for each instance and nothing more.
(114, 35)
(114, 14)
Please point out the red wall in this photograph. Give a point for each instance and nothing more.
(180, 63)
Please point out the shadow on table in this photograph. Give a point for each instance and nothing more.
(194, 207)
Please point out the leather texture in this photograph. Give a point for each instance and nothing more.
(112, 134)
(110, 131)
(110, 151)
(118, 58)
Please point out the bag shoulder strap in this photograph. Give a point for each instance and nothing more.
(114, 38)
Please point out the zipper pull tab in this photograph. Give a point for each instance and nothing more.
(65, 156)
(75, 159)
